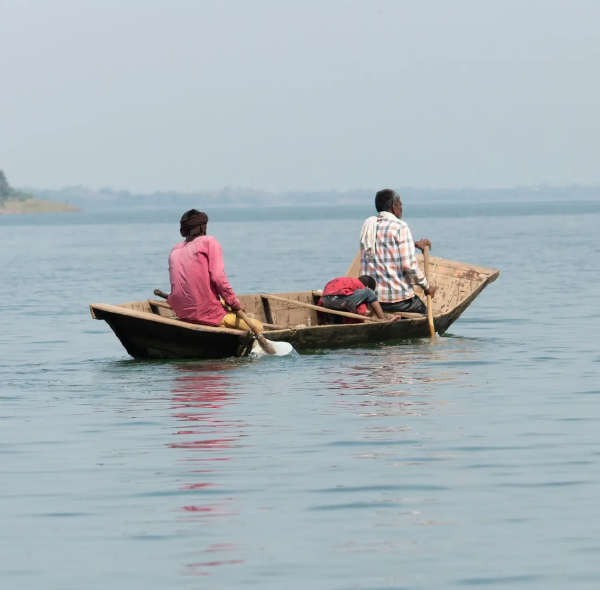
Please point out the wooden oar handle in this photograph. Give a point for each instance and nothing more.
(160, 293)
(243, 316)
(426, 260)
(429, 305)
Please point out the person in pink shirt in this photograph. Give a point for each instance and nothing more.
(199, 285)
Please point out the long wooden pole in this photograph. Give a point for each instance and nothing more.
(429, 308)
(346, 314)
(402, 314)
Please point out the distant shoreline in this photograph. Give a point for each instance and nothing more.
(33, 206)
(232, 198)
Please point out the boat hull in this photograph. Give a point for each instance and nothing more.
(150, 330)
(146, 339)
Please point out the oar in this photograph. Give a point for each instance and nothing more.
(429, 309)
(346, 314)
(262, 341)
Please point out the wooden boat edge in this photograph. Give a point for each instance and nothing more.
(354, 268)
(115, 309)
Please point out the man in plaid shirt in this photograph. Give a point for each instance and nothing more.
(388, 255)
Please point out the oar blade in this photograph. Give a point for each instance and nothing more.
(280, 348)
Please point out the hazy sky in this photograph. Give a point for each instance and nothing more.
(310, 94)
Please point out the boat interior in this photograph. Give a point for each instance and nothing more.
(456, 283)
(274, 314)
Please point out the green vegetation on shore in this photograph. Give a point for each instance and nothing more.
(9, 193)
(14, 202)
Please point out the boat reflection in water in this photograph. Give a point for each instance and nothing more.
(398, 380)
(383, 425)
(205, 440)
(408, 400)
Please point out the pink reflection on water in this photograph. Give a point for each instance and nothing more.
(200, 395)
(197, 568)
(196, 486)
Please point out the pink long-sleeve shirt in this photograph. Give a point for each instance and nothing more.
(197, 274)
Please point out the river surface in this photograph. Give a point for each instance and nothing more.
(469, 462)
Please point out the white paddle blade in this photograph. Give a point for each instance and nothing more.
(281, 349)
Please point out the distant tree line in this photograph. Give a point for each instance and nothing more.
(7, 192)
(229, 197)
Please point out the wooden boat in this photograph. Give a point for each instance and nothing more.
(150, 330)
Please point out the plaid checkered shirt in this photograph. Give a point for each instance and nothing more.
(394, 266)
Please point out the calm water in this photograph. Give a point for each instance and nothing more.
(472, 461)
